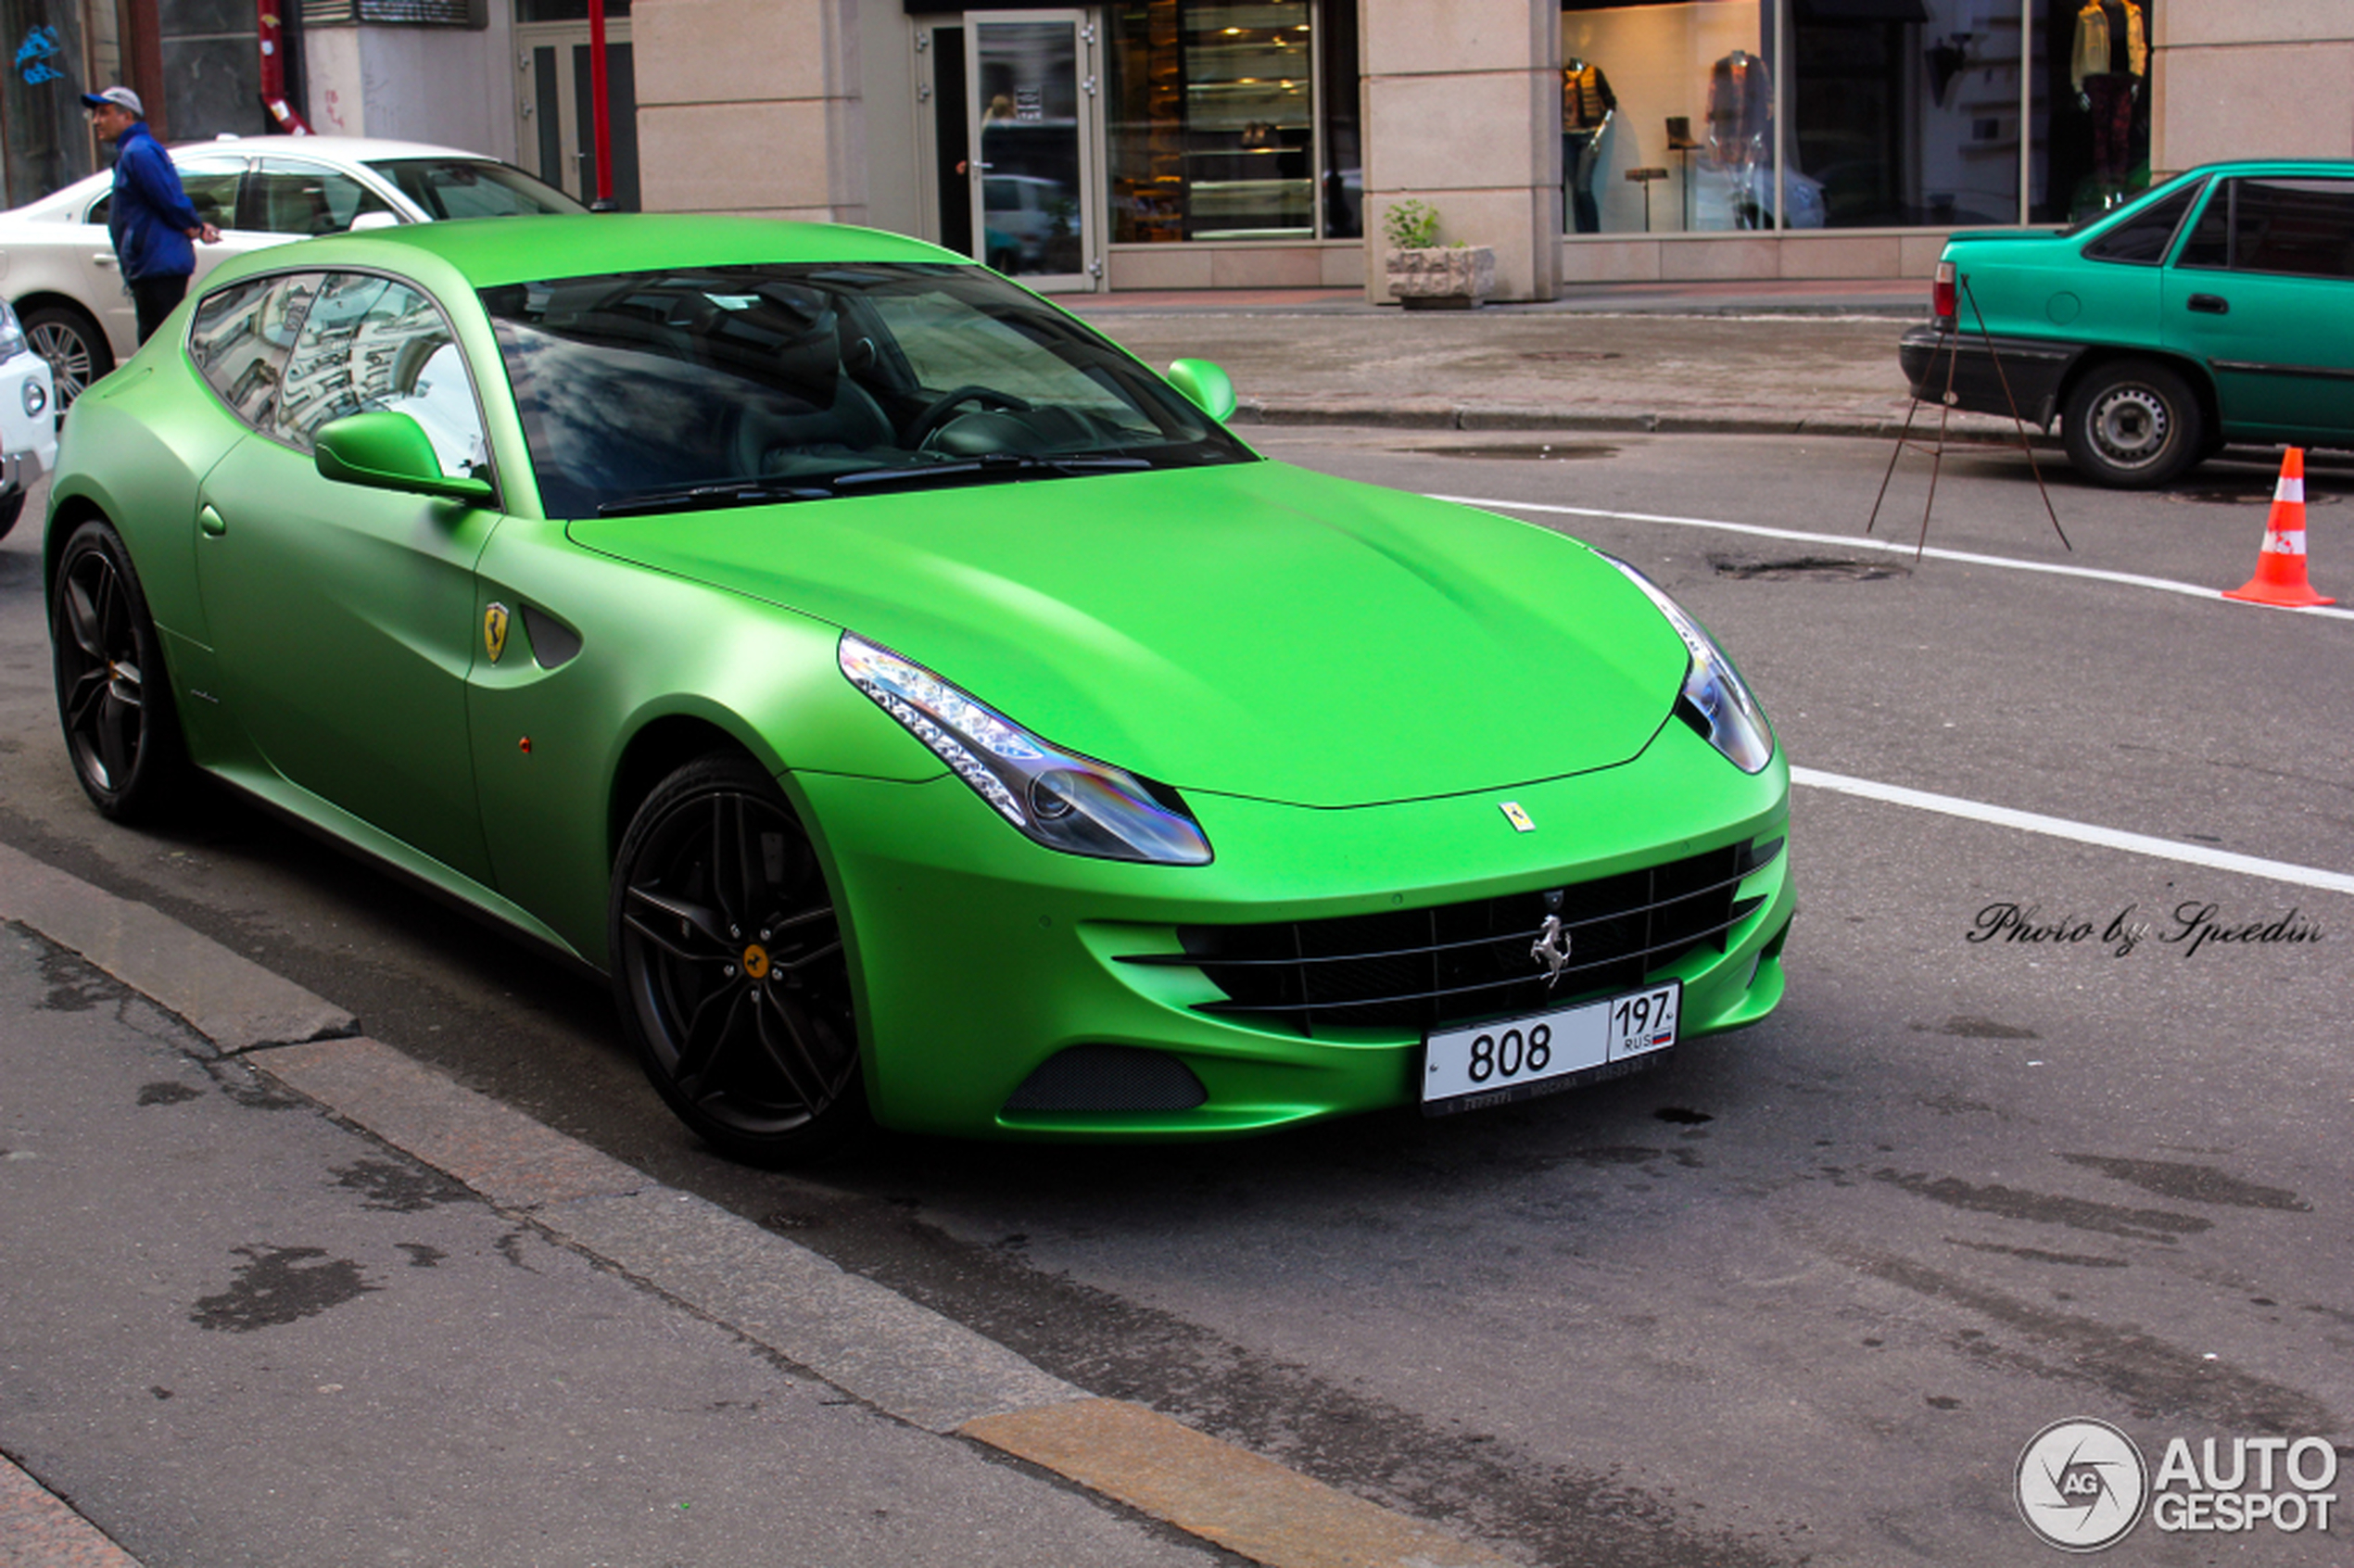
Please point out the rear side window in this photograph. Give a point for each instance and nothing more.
(242, 335)
(2143, 239)
(211, 187)
(2291, 228)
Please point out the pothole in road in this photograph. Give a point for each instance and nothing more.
(1815, 568)
(1525, 451)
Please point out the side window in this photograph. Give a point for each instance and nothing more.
(369, 344)
(242, 336)
(287, 197)
(211, 187)
(2289, 228)
(2143, 239)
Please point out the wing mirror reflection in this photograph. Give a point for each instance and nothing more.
(1206, 387)
(390, 451)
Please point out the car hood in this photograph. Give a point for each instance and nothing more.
(1251, 629)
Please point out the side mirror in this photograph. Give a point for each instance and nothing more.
(1205, 386)
(389, 451)
(379, 220)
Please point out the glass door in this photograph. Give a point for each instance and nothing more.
(1029, 103)
(557, 133)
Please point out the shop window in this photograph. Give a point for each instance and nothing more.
(1214, 130)
(1667, 117)
(2090, 114)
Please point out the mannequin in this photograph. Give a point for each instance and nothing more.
(2111, 57)
(1741, 112)
(1587, 107)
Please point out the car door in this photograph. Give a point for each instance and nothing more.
(343, 617)
(2262, 294)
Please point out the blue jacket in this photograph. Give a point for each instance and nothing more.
(150, 216)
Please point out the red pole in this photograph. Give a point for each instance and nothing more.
(273, 69)
(601, 109)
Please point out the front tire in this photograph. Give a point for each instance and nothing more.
(114, 697)
(11, 507)
(730, 971)
(2133, 425)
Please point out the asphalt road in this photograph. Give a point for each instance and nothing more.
(1804, 1295)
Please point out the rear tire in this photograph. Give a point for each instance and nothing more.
(75, 346)
(114, 696)
(11, 507)
(2133, 425)
(730, 971)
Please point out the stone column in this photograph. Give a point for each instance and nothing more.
(1462, 110)
(751, 107)
(2231, 80)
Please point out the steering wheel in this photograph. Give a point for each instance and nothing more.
(929, 421)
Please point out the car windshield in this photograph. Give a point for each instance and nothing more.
(471, 187)
(681, 390)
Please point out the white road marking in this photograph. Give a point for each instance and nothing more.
(1851, 541)
(2081, 832)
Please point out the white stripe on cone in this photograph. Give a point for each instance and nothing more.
(2290, 490)
(2282, 542)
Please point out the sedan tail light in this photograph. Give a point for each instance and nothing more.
(1942, 302)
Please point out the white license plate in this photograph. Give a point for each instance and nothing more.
(1488, 1064)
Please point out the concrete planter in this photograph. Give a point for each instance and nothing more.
(1444, 278)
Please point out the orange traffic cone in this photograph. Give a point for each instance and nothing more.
(2280, 565)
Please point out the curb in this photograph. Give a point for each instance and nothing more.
(871, 1342)
(1966, 433)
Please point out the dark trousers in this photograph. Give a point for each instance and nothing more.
(1577, 175)
(153, 297)
(2112, 112)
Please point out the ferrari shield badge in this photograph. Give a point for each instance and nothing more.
(1521, 821)
(494, 631)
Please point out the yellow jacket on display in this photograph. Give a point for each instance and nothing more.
(2093, 44)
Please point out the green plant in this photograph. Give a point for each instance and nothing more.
(1410, 225)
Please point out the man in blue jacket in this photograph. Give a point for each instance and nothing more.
(150, 218)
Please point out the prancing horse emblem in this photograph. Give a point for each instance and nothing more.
(494, 631)
(1552, 949)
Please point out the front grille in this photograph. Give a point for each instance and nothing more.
(1429, 968)
(1109, 1078)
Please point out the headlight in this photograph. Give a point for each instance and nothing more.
(11, 334)
(1714, 700)
(1062, 800)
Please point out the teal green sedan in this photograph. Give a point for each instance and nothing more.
(921, 712)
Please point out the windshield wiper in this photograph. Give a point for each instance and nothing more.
(697, 497)
(989, 465)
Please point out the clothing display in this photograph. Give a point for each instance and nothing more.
(1740, 122)
(2106, 66)
(1587, 106)
(2112, 39)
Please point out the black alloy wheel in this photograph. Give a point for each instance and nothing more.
(114, 698)
(2133, 425)
(730, 970)
(74, 345)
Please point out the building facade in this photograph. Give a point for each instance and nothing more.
(1252, 143)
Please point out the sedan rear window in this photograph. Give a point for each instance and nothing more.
(2144, 239)
(471, 187)
(2296, 228)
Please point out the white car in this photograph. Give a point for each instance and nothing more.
(59, 266)
(27, 419)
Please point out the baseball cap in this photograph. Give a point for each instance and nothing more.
(122, 97)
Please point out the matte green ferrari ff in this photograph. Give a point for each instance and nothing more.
(923, 712)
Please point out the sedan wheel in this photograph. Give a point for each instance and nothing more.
(74, 346)
(113, 696)
(729, 968)
(2133, 425)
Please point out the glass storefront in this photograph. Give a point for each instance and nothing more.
(1233, 120)
(1716, 115)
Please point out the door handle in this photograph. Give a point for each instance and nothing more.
(104, 259)
(2210, 304)
(211, 521)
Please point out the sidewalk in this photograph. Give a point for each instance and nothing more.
(279, 1297)
(1721, 358)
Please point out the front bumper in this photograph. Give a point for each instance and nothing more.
(2008, 376)
(28, 422)
(981, 955)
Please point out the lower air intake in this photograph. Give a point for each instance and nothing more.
(1109, 1078)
